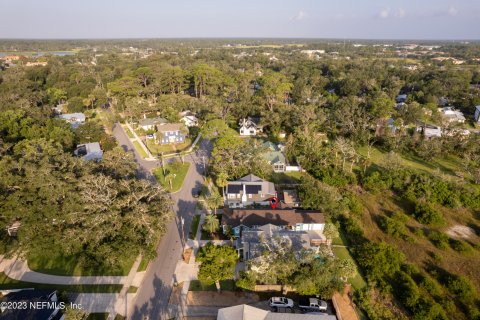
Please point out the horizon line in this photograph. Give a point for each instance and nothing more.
(236, 38)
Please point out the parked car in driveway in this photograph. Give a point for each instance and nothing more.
(195, 193)
(280, 302)
(312, 304)
(150, 136)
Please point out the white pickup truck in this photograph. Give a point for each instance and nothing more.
(312, 304)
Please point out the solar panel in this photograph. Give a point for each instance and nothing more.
(234, 188)
(253, 189)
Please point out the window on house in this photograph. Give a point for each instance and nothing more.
(249, 196)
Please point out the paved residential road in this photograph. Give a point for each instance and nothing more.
(152, 297)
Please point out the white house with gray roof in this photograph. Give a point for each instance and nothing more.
(75, 119)
(246, 312)
(89, 151)
(249, 190)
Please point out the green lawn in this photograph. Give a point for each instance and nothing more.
(342, 253)
(143, 265)
(139, 149)
(448, 165)
(129, 132)
(54, 263)
(286, 177)
(7, 283)
(168, 148)
(225, 285)
(177, 182)
(194, 227)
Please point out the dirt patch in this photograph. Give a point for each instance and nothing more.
(344, 305)
(462, 232)
(175, 295)
(186, 255)
(221, 299)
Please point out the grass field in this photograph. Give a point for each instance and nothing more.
(177, 181)
(129, 133)
(139, 149)
(54, 263)
(7, 283)
(168, 148)
(416, 246)
(194, 227)
(286, 177)
(449, 165)
(143, 264)
(342, 253)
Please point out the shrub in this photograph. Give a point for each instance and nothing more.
(374, 182)
(399, 216)
(439, 240)
(461, 287)
(426, 214)
(246, 281)
(392, 227)
(431, 286)
(459, 246)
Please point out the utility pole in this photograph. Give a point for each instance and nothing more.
(163, 165)
(182, 222)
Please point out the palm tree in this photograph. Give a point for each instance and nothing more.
(169, 177)
(215, 201)
(222, 181)
(211, 223)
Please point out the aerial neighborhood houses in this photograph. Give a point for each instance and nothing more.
(252, 228)
(250, 127)
(246, 312)
(89, 151)
(452, 115)
(74, 119)
(188, 118)
(162, 131)
(170, 133)
(249, 190)
(429, 130)
(150, 124)
(274, 155)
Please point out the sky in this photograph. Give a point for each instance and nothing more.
(361, 19)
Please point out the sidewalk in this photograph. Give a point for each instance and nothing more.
(124, 297)
(136, 138)
(18, 270)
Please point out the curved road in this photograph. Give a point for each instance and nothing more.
(152, 297)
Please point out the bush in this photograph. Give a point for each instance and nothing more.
(461, 287)
(392, 227)
(439, 240)
(459, 246)
(246, 281)
(375, 182)
(426, 214)
(431, 286)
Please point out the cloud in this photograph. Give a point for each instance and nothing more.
(387, 13)
(452, 11)
(400, 13)
(384, 13)
(299, 16)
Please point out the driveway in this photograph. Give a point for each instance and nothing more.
(152, 297)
